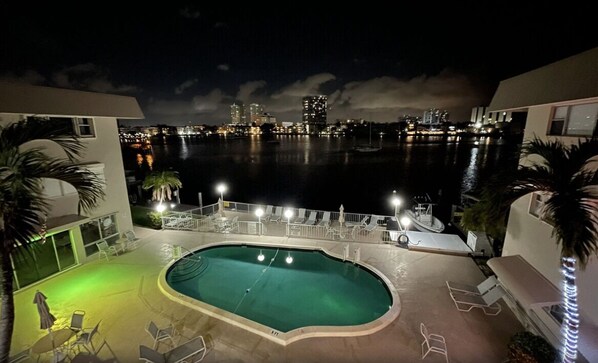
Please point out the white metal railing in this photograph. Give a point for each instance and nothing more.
(205, 220)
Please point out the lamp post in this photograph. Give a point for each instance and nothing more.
(161, 208)
(288, 214)
(221, 188)
(259, 213)
(396, 201)
(405, 222)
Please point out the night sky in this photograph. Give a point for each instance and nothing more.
(186, 63)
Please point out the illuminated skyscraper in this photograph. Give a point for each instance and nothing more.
(255, 112)
(435, 116)
(314, 112)
(237, 113)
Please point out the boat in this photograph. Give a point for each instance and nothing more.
(369, 148)
(421, 216)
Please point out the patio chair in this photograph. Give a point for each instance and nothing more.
(300, 217)
(373, 223)
(231, 226)
(277, 216)
(104, 249)
(480, 289)
(186, 352)
(267, 213)
(159, 335)
(325, 219)
(312, 218)
(432, 343)
(489, 300)
(131, 239)
(77, 321)
(85, 339)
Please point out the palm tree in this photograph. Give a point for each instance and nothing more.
(23, 206)
(565, 176)
(161, 183)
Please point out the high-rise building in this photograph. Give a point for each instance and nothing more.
(435, 116)
(255, 112)
(237, 113)
(314, 112)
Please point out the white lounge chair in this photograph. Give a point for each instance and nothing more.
(132, 239)
(480, 289)
(361, 223)
(373, 223)
(312, 218)
(325, 220)
(432, 343)
(300, 217)
(277, 216)
(104, 249)
(489, 300)
(267, 213)
(186, 352)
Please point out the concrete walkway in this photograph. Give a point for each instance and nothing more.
(122, 294)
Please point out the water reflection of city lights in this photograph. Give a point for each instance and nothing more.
(139, 159)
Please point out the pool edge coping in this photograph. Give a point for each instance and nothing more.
(295, 334)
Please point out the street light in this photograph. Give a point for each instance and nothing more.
(221, 188)
(288, 214)
(396, 201)
(259, 213)
(405, 222)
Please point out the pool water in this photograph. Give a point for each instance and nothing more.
(315, 289)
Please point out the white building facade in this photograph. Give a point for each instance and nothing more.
(561, 101)
(72, 237)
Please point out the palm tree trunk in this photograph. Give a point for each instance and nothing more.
(7, 315)
(571, 321)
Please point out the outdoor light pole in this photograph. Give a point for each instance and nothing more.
(221, 188)
(259, 213)
(288, 214)
(396, 201)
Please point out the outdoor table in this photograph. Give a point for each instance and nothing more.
(51, 341)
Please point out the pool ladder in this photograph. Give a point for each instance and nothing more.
(188, 266)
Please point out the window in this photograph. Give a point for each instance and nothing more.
(84, 127)
(98, 170)
(577, 120)
(536, 207)
(97, 229)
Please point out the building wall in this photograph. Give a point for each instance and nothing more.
(532, 239)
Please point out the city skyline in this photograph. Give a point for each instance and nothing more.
(188, 64)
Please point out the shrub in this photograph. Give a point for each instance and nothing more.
(155, 219)
(526, 347)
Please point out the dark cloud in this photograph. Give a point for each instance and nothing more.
(223, 67)
(90, 77)
(189, 13)
(184, 86)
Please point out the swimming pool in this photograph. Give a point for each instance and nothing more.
(283, 289)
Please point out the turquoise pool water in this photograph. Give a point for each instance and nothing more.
(314, 289)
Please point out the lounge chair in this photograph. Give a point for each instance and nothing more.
(277, 216)
(353, 224)
(489, 300)
(182, 353)
(312, 218)
(434, 343)
(267, 213)
(480, 289)
(159, 335)
(325, 219)
(300, 217)
(373, 223)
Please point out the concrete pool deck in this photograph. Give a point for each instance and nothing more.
(123, 295)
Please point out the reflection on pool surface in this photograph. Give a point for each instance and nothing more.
(285, 290)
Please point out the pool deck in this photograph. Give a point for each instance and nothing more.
(123, 294)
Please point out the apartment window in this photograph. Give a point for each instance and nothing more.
(577, 120)
(84, 127)
(98, 229)
(536, 207)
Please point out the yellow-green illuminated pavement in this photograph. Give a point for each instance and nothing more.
(123, 296)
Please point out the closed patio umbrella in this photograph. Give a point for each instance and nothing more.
(341, 215)
(221, 206)
(46, 319)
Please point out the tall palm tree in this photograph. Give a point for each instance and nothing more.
(161, 183)
(23, 206)
(568, 176)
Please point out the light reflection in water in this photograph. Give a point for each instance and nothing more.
(470, 172)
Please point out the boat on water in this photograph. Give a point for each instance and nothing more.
(421, 216)
(369, 148)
